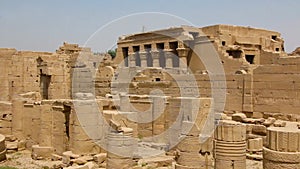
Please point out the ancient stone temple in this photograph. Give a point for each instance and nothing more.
(218, 97)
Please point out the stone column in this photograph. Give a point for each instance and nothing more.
(283, 147)
(120, 149)
(131, 60)
(143, 57)
(182, 54)
(230, 145)
(194, 153)
(155, 57)
(169, 58)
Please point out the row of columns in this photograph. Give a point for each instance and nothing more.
(167, 55)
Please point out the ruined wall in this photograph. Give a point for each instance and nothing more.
(51, 123)
(20, 73)
(5, 70)
(230, 65)
(276, 87)
(239, 90)
(6, 117)
(103, 80)
(250, 45)
(40, 124)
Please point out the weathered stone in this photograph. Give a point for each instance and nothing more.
(257, 115)
(160, 161)
(254, 156)
(39, 152)
(10, 138)
(259, 129)
(55, 157)
(70, 154)
(255, 145)
(279, 123)
(239, 117)
(100, 158)
(270, 121)
(79, 161)
(115, 125)
(12, 145)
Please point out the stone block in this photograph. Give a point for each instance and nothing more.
(257, 115)
(41, 152)
(259, 129)
(194, 159)
(100, 158)
(55, 157)
(159, 161)
(255, 145)
(70, 154)
(270, 121)
(279, 123)
(12, 145)
(119, 163)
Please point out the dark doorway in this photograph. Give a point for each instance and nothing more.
(174, 46)
(136, 50)
(44, 84)
(234, 53)
(67, 112)
(250, 58)
(162, 59)
(148, 55)
(125, 55)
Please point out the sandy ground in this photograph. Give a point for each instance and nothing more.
(22, 160)
(252, 164)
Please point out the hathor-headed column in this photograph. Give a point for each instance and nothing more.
(182, 54)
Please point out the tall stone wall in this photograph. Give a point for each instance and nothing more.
(5, 66)
(276, 87)
(52, 123)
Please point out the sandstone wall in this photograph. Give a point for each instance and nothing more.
(53, 123)
(5, 70)
(276, 87)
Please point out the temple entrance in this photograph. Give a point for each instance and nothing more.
(44, 84)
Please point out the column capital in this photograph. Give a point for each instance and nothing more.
(169, 50)
(142, 53)
(183, 52)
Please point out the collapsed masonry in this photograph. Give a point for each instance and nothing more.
(158, 91)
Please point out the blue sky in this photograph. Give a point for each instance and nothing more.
(44, 25)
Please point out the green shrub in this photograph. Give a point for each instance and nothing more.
(7, 167)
